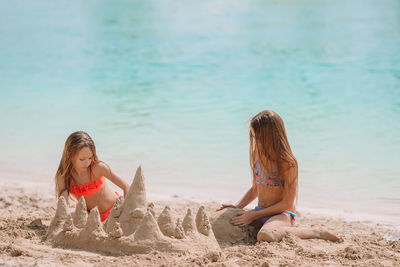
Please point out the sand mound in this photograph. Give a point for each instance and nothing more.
(131, 227)
(227, 233)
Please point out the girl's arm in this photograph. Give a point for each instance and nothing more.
(250, 195)
(287, 202)
(247, 198)
(271, 210)
(62, 190)
(113, 177)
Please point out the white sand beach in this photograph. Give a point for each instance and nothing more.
(26, 215)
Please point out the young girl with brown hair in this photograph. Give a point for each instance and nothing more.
(81, 174)
(275, 182)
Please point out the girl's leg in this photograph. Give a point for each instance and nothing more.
(274, 228)
(281, 225)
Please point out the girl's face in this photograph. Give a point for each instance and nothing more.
(83, 159)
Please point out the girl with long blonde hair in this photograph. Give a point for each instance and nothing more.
(82, 174)
(275, 183)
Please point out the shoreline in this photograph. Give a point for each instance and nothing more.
(342, 211)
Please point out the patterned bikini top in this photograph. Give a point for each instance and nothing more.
(270, 180)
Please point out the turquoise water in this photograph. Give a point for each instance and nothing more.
(171, 85)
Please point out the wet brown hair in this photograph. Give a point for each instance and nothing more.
(271, 145)
(74, 143)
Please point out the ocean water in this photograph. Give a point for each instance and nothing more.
(171, 85)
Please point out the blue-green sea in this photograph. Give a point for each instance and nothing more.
(171, 85)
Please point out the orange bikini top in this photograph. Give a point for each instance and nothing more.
(86, 190)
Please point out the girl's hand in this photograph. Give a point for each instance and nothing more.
(243, 218)
(224, 206)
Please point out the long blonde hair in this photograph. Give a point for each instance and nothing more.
(74, 143)
(272, 147)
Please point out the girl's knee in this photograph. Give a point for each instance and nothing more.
(271, 235)
(265, 235)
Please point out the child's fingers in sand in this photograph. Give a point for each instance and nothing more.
(242, 218)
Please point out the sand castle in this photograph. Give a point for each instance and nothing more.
(131, 227)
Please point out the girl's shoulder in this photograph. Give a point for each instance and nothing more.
(100, 168)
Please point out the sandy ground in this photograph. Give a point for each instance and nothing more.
(25, 215)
